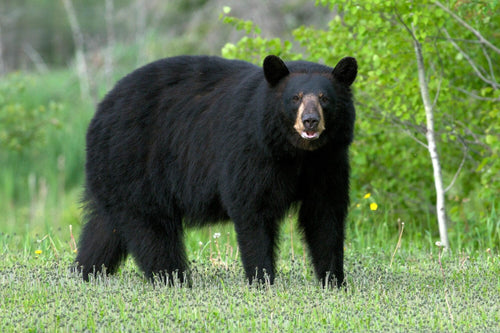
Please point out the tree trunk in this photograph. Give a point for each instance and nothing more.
(3, 70)
(110, 32)
(140, 31)
(81, 63)
(431, 145)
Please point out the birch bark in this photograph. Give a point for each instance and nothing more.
(81, 63)
(431, 145)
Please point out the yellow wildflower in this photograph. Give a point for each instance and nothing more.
(373, 206)
(367, 195)
(38, 252)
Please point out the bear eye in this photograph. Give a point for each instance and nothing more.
(323, 98)
(296, 98)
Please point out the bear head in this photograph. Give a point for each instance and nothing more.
(315, 100)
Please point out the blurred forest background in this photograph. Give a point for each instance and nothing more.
(59, 57)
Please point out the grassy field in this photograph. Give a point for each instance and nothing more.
(388, 290)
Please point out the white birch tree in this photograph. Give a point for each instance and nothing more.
(81, 63)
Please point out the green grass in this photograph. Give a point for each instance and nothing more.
(415, 291)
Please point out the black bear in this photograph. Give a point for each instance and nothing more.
(192, 140)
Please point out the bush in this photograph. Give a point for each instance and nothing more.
(23, 125)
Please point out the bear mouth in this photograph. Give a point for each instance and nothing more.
(309, 135)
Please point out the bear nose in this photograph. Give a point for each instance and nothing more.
(310, 121)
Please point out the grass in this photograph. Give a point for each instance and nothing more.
(391, 290)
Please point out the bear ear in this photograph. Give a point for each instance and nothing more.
(346, 70)
(274, 69)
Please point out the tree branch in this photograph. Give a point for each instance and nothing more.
(405, 127)
(36, 58)
(471, 62)
(458, 170)
(437, 92)
(490, 64)
(489, 99)
(468, 27)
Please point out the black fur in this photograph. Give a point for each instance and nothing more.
(189, 141)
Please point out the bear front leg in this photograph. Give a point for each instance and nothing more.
(257, 247)
(324, 233)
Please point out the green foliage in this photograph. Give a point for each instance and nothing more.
(252, 48)
(387, 155)
(23, 125)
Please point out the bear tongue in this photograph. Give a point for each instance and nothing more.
(310, 135)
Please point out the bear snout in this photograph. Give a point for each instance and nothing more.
(310, 121)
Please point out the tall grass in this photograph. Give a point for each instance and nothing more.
(39, 184)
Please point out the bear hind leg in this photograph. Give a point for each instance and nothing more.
(100, 247)
(158, 249)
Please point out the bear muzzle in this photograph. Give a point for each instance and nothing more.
(309, 123)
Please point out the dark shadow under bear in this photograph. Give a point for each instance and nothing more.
(192, 140)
